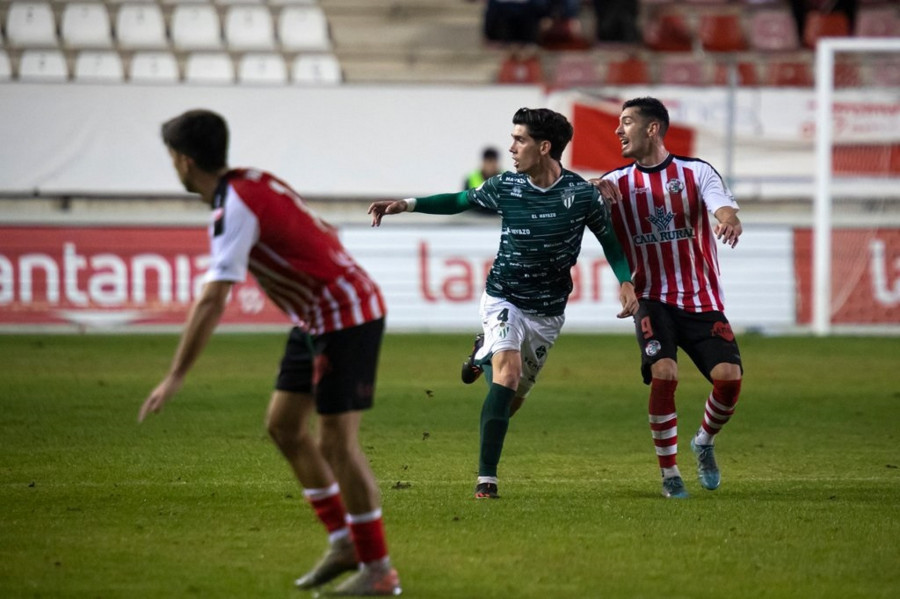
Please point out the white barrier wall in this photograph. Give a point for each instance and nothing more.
(359, 141)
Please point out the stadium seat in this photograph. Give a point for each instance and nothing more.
(789, 73)
(847, 72)
(668, 32)
(196, 27)
(818, 24)
(721, 32)
(678, 70)
(877, 21)
(209, 68)
(746, 73)
(885, 72)
(86, 25)
(43, 66)
(316, 69)
(99, 66)
(249, 28)
(521, 71)
(575, 70)
(153, 67)
(773, 29)
(262, 69)
(303, 29)
(5, 66)
(141, 26)
(629, 71)
(30, 25)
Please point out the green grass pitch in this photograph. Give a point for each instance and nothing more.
(196, 502)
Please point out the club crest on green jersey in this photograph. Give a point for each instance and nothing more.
(568, 197)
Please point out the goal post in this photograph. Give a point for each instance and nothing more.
(825, 185)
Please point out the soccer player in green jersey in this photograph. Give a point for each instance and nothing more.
(544, 209)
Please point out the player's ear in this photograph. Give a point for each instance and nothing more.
(544, 147)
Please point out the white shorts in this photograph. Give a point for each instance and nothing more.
(508, 328)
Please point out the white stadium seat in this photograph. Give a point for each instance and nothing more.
(141, 26)
(196, 27)
(303, 28)
(99, 66)
(249, 28)
(262, 69)
(43, 66)
(316, 69)
(30, 25)
(5, 66)
(86, 25)
(153, 67)
(209, 68)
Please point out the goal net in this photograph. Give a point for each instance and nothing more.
(855, 239)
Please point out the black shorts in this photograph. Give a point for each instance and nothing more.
(338, 368)
(705, 336)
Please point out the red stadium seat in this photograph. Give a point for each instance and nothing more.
(789, 73)
(677, 70)
(630, 71)
(877, 21)
(575, 70)
(721, 32)
(817, 24)
(747, 73)
(668, 32)
(773, 29)
(847, 73)
(521, 71)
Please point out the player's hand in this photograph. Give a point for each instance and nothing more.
(729, 232)
(380, 208)
(628, 299)
(607, 190)
(159, 396)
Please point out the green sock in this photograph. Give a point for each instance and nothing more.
(494, 422)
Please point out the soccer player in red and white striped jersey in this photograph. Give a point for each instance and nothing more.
(668, 214)
(262, 226)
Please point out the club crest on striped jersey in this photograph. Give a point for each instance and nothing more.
(568, 197)
(675, 186)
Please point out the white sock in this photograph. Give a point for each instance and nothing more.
(704, 438)
(670, 472)
(486, 479)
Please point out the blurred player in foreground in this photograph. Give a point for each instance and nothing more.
(261, 225)
(545, 209)
(661, 208)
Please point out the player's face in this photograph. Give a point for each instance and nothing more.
(634, 133)
(526, 151)
(182, 167)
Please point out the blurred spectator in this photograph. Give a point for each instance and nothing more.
(490, 166)
(513, 21)
(561, 27)
(616, 20)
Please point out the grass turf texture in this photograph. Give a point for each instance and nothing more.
(196, 502)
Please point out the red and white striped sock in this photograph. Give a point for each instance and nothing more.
(367, 531)
(329, 510)
(719, 409)
(664, 424)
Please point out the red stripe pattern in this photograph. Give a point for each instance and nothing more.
(664, 224)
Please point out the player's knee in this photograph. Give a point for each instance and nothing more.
(289, 436)
(725, 372)
(665, 369)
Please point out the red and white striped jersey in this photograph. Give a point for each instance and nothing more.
(262, 225)
(663, 224)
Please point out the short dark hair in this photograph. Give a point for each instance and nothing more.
(490, 154)
(201, 135)
(652, 109)
(545, 124)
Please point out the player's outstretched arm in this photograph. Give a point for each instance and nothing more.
(608, 190)
(729, 228)
(382, 207)
(201, 322)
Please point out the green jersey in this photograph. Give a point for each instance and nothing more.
(540, 237)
